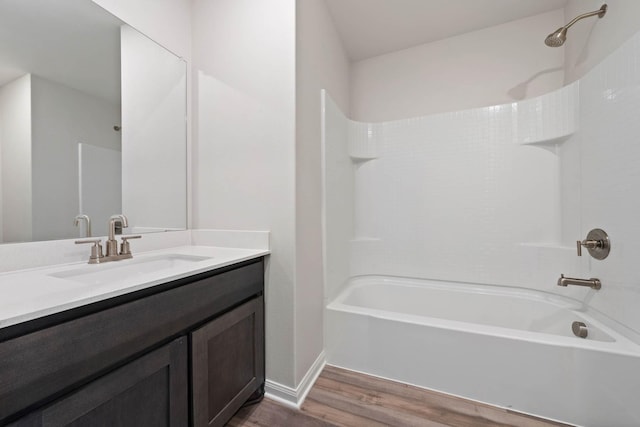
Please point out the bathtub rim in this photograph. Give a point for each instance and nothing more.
(622, 343)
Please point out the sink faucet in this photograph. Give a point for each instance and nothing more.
(593, 283)
(76, 222)
(112, 243)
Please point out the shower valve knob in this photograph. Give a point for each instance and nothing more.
(589, 244)
(597, 243)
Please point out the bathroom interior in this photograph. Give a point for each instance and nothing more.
(434, 193)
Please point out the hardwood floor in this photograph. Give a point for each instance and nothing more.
(271, 414)
(349, 399)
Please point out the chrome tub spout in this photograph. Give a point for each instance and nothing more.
(593, 283)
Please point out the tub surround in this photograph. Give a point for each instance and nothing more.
(405, 197)
(523, 181)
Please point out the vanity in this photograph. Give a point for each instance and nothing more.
(171, 337)
(183, 347)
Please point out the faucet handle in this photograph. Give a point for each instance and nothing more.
(96, 249)
(597, 243)
(125, 249)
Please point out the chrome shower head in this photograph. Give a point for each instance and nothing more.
(559, 36)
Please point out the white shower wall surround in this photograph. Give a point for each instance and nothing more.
(496, 196)
(463, 196)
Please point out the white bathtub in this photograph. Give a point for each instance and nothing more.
(509, 347)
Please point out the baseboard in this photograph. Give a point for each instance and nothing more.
(310, 377)
(294, 397)
(281, 393)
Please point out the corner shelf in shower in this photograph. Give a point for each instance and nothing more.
(547, 119)
(364, 140)
(548, 142)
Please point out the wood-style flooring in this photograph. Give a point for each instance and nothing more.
(345, 398)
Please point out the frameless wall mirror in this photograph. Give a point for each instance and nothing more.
(92, 121)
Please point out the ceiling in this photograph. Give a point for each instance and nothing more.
(72, 42)
(374, 27)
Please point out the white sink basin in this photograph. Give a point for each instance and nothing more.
(114, 271)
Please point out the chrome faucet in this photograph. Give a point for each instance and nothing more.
(112, 244)
(593, 283)
(76, 222)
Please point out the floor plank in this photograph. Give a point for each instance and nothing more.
(336, 416)
(481, 414)
(342, 398)
(269, 413)
(378, 399)
(367, 407)
(423, 396)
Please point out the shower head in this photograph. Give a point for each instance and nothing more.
(559, 36)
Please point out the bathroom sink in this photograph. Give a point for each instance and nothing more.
(119, 270)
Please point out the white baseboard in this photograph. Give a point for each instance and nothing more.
(310, 377)
(294, 397)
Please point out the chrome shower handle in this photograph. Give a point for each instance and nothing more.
(589, 244)
(597, 243)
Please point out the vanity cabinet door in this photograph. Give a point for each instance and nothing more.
(227, 363)
(150, 391)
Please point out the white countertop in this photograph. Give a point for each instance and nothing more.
(29, 294)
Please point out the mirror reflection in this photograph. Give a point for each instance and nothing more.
(92, 122)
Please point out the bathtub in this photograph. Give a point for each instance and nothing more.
(508, 347)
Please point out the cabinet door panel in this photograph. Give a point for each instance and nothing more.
(150, 391)
(228, 363)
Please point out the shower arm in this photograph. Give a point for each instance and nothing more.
(600, 12)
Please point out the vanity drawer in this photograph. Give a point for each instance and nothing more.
(47, 363)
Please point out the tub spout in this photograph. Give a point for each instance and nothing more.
(593, 283)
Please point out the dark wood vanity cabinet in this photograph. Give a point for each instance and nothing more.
(190, 352)
(150, 391)
(228, 363)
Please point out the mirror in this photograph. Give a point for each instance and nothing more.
(92, 121)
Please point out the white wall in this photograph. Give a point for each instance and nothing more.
(491, 66)
(154, 158)
(166, 21)
(321, 63)
(15, 115)
(591, 40)
(1, 136)
(244, 144)
(62, 117)
(609, 158)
